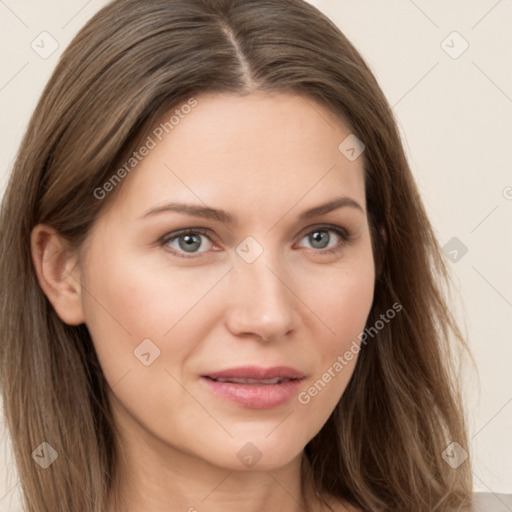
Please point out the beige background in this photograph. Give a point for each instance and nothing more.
(455, 115)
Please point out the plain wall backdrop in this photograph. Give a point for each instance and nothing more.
(446, 69)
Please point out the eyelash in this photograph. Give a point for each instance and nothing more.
(344, 235)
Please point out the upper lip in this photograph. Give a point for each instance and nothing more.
(257, 373)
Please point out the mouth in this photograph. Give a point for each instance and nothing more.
(255, 387)
(253, 382)
(256, 374)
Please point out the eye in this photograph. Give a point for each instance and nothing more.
(188, 242)
(322, 238)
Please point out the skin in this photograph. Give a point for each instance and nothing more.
(264, 159)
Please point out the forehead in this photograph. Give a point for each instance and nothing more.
(244, 152)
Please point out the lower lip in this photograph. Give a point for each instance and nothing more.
(255, 396)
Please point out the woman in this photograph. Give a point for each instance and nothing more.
(222, 290)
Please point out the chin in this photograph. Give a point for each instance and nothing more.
(262, 453)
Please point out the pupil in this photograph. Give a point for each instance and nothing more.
(319, 239)
(189, 242)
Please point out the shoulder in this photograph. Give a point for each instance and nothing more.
(483, 502)
(492, 502)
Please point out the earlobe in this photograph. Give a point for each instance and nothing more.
(58, 273)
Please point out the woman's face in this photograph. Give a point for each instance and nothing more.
(221, 254)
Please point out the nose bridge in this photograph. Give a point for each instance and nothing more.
(263, 303)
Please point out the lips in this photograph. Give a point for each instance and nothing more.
(255, 387)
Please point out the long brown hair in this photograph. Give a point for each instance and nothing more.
(382, 447)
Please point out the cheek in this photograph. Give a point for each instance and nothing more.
(341, 298)
(343, 310)
(130, 299)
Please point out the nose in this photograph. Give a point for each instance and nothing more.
(263, 303)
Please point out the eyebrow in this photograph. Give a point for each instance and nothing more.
(206, 212)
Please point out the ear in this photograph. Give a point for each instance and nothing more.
(58, 273)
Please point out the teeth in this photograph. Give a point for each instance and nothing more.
(275, 380)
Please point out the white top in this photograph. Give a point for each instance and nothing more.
(491, 502)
